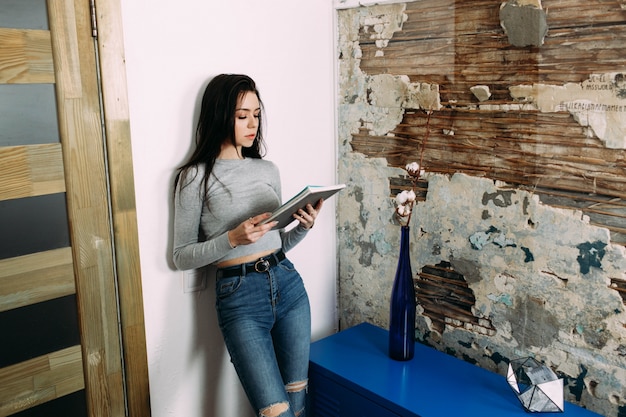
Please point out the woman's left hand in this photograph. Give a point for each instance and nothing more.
(307, 216)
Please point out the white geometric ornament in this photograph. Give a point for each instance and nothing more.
(537, 387)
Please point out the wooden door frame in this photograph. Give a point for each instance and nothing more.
(100, 192)
(110, 42)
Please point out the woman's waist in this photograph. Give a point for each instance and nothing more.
(259, 264)
(245, 259)
(266, 245)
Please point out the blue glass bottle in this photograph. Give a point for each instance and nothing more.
(402, 309)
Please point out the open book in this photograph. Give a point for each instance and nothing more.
(309, 195)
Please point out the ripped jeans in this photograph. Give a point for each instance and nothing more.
(265, 319)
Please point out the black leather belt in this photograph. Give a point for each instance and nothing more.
(260, 265)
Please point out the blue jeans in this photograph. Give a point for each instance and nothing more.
(265, 319)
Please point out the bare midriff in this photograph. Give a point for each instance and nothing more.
(245, 259)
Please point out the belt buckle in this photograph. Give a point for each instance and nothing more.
(262, 265)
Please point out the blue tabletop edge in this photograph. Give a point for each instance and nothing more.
(433, 383)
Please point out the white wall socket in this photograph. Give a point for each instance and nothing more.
(194, 280)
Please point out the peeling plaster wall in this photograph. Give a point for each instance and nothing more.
(598, 103)
(540, 275)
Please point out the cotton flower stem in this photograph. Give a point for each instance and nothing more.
(408, 220)
(424, 141)
(406, 200)
(416, 178)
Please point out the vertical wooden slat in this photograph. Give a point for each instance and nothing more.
(115, 101)
(86, 184)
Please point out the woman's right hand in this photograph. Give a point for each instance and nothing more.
(250, 230)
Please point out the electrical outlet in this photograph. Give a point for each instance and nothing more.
(194, 280)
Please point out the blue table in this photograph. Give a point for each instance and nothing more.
(352, 376)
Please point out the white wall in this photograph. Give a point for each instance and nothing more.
(172, 49)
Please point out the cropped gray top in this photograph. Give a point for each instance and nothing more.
(237, 190)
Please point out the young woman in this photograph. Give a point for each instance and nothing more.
(222, 194)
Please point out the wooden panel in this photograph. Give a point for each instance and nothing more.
(124, 213)
(87, 196)
(35, 278)
(27, 171)
(25, 56)
(71, 405)
(41, 379)
(87, 191)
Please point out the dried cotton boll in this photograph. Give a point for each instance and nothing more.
(413, 168)
(403, 211)
(402, 198)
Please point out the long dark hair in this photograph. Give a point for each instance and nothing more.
(216, 124)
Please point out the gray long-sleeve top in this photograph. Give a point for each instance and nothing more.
(237, 190)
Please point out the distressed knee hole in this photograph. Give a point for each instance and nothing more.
(297, 386)
(274, 410)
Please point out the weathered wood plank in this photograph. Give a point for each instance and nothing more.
(461, 44)
(41, 379)
(533, 149)
(34, 278)
(28, 171)
(87, 197)
(25, 56)
(124, 212)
